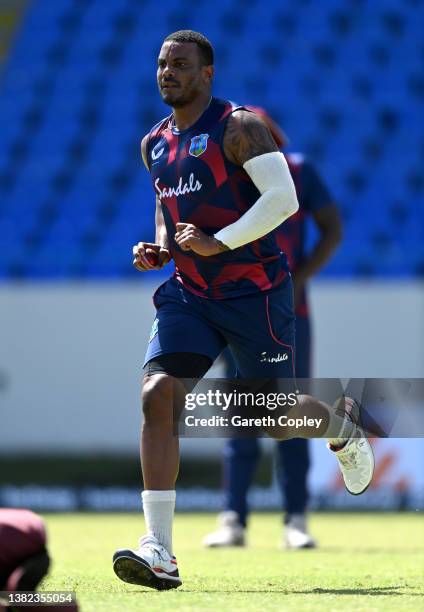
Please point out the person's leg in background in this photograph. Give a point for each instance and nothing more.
(241, 456)
(293, 459)
(268, 330)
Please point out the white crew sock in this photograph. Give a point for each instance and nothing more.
(158, 509)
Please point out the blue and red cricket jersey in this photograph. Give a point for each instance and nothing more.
(197, 184)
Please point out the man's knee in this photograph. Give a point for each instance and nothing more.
(158, 397)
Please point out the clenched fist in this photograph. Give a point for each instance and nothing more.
(191, 238)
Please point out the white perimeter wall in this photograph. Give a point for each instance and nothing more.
(71, 355)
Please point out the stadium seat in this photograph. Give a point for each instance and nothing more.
(73, 117)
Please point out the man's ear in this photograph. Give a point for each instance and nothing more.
(207, 73)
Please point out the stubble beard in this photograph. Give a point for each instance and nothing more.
(183, 100)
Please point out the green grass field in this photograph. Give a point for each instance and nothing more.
(364, 562)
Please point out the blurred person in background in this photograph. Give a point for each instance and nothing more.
(241, 455)
(24, 559)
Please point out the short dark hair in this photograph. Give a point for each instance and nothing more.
(203, 44)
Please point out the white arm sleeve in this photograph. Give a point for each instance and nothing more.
(270, 174)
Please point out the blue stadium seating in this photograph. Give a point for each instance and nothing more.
(78, 92)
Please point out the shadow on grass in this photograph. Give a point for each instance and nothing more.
(366, 591)
(373, 591)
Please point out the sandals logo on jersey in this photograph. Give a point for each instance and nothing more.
(198, 145)
(154, 329)
(190, 186)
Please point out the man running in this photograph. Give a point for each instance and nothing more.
(221, 187)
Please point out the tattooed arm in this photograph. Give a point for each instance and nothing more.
(248, 143)
(246, 136)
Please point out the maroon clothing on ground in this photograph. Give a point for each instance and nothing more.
(22, 538)
(22, 535)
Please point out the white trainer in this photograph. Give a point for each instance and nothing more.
(296, 535)
(150, 565)
(356, 460)
(229, 533)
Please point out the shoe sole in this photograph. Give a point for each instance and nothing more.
(373, 468)
(136, 571)
(355, 413)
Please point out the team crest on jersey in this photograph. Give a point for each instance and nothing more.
(198, 145)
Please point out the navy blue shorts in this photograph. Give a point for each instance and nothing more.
(259, 329)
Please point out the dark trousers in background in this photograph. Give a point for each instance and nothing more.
(241, 455)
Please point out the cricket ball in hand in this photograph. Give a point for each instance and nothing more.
(152, 257)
